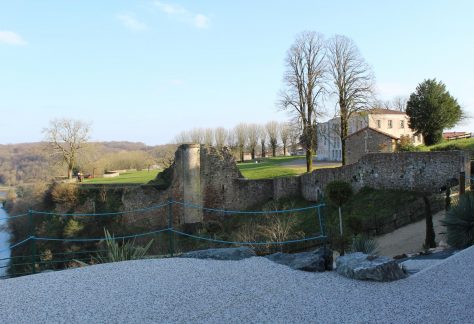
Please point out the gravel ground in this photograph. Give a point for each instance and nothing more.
(251, 290)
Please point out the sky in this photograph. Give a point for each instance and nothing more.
(145, 70)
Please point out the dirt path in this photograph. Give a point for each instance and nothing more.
(410, 238)
(316, 163)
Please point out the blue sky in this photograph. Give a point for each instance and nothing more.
(145, 70)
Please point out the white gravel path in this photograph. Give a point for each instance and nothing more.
(252, 290)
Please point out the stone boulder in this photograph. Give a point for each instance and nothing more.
(365, 267)
(315, 261)
(239, 253)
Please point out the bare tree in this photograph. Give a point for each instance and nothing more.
(262, 134)
(240, 132)
(220, 136)
(196, 135)
(67, 138)
(352, 82)
(284, 136)
(208, 136)
(252, 138)
(272, 131)
(400, 103)
(295, 134)
(304, 79)
(182, 137)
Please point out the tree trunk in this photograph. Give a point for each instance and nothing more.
(241, 155)
(263, 150)
(252, 153)
(309, 160)
(343, 134)
(284, 149)
(430, 234)
(69, 171)
(273, 150)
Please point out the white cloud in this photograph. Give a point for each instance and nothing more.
(11, 38)
(131, 22)
(181, 14)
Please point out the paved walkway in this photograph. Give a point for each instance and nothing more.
(254, 290)
(410, 238)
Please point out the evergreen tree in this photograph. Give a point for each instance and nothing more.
(431, 109)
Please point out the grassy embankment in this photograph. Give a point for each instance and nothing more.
(461, 144)
(132, 177)
(281, 166)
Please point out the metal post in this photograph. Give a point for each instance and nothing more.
(33, 241)
(462, 183)
(321, 219)
(170, 227)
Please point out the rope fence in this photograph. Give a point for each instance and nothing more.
(33, 260)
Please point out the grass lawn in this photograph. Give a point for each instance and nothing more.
(271, 168)
(463, 144)
(275, 167)
(132, 177)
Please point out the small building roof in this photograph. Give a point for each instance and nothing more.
(455, 134)
(375, 130)
(381, 111)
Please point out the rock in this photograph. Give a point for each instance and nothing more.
(239, 253)
(358, 266)
(316, 261)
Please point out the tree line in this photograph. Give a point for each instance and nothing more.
(252, 138)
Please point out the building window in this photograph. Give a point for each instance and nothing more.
(414, 139)
(419, 138)
(325, 141)
(390, 125)
(360, 124)
(379, 124)
(402, 124)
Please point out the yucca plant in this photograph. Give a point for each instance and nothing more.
(116, 252)
(459, 222)
(364, 244)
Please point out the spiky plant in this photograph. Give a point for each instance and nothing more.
(116, 252)
(364, 244)
(459, 222)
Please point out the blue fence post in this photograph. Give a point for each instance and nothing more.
(170, 226)
(33, 241)
(321, 219)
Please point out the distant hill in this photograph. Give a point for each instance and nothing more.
(33, 162)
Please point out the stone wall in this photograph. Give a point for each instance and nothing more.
(417, 171)
(209, 177)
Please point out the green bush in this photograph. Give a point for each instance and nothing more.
(364, 244)
(116, 252)
(338, 192)
(459, 222)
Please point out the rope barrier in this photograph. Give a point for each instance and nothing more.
(249, 243)
(102, 214)
(16, 244)
(186, 204)
(98, 238)
(12, 217)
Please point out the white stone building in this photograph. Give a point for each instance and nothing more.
(388, 121)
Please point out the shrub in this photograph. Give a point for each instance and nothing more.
(364, 244)
(459, 222)
(406, 145)
(116, 252)
(338, 192)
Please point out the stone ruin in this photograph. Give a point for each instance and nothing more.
(206, 176)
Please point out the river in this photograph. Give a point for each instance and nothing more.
(4, 241)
